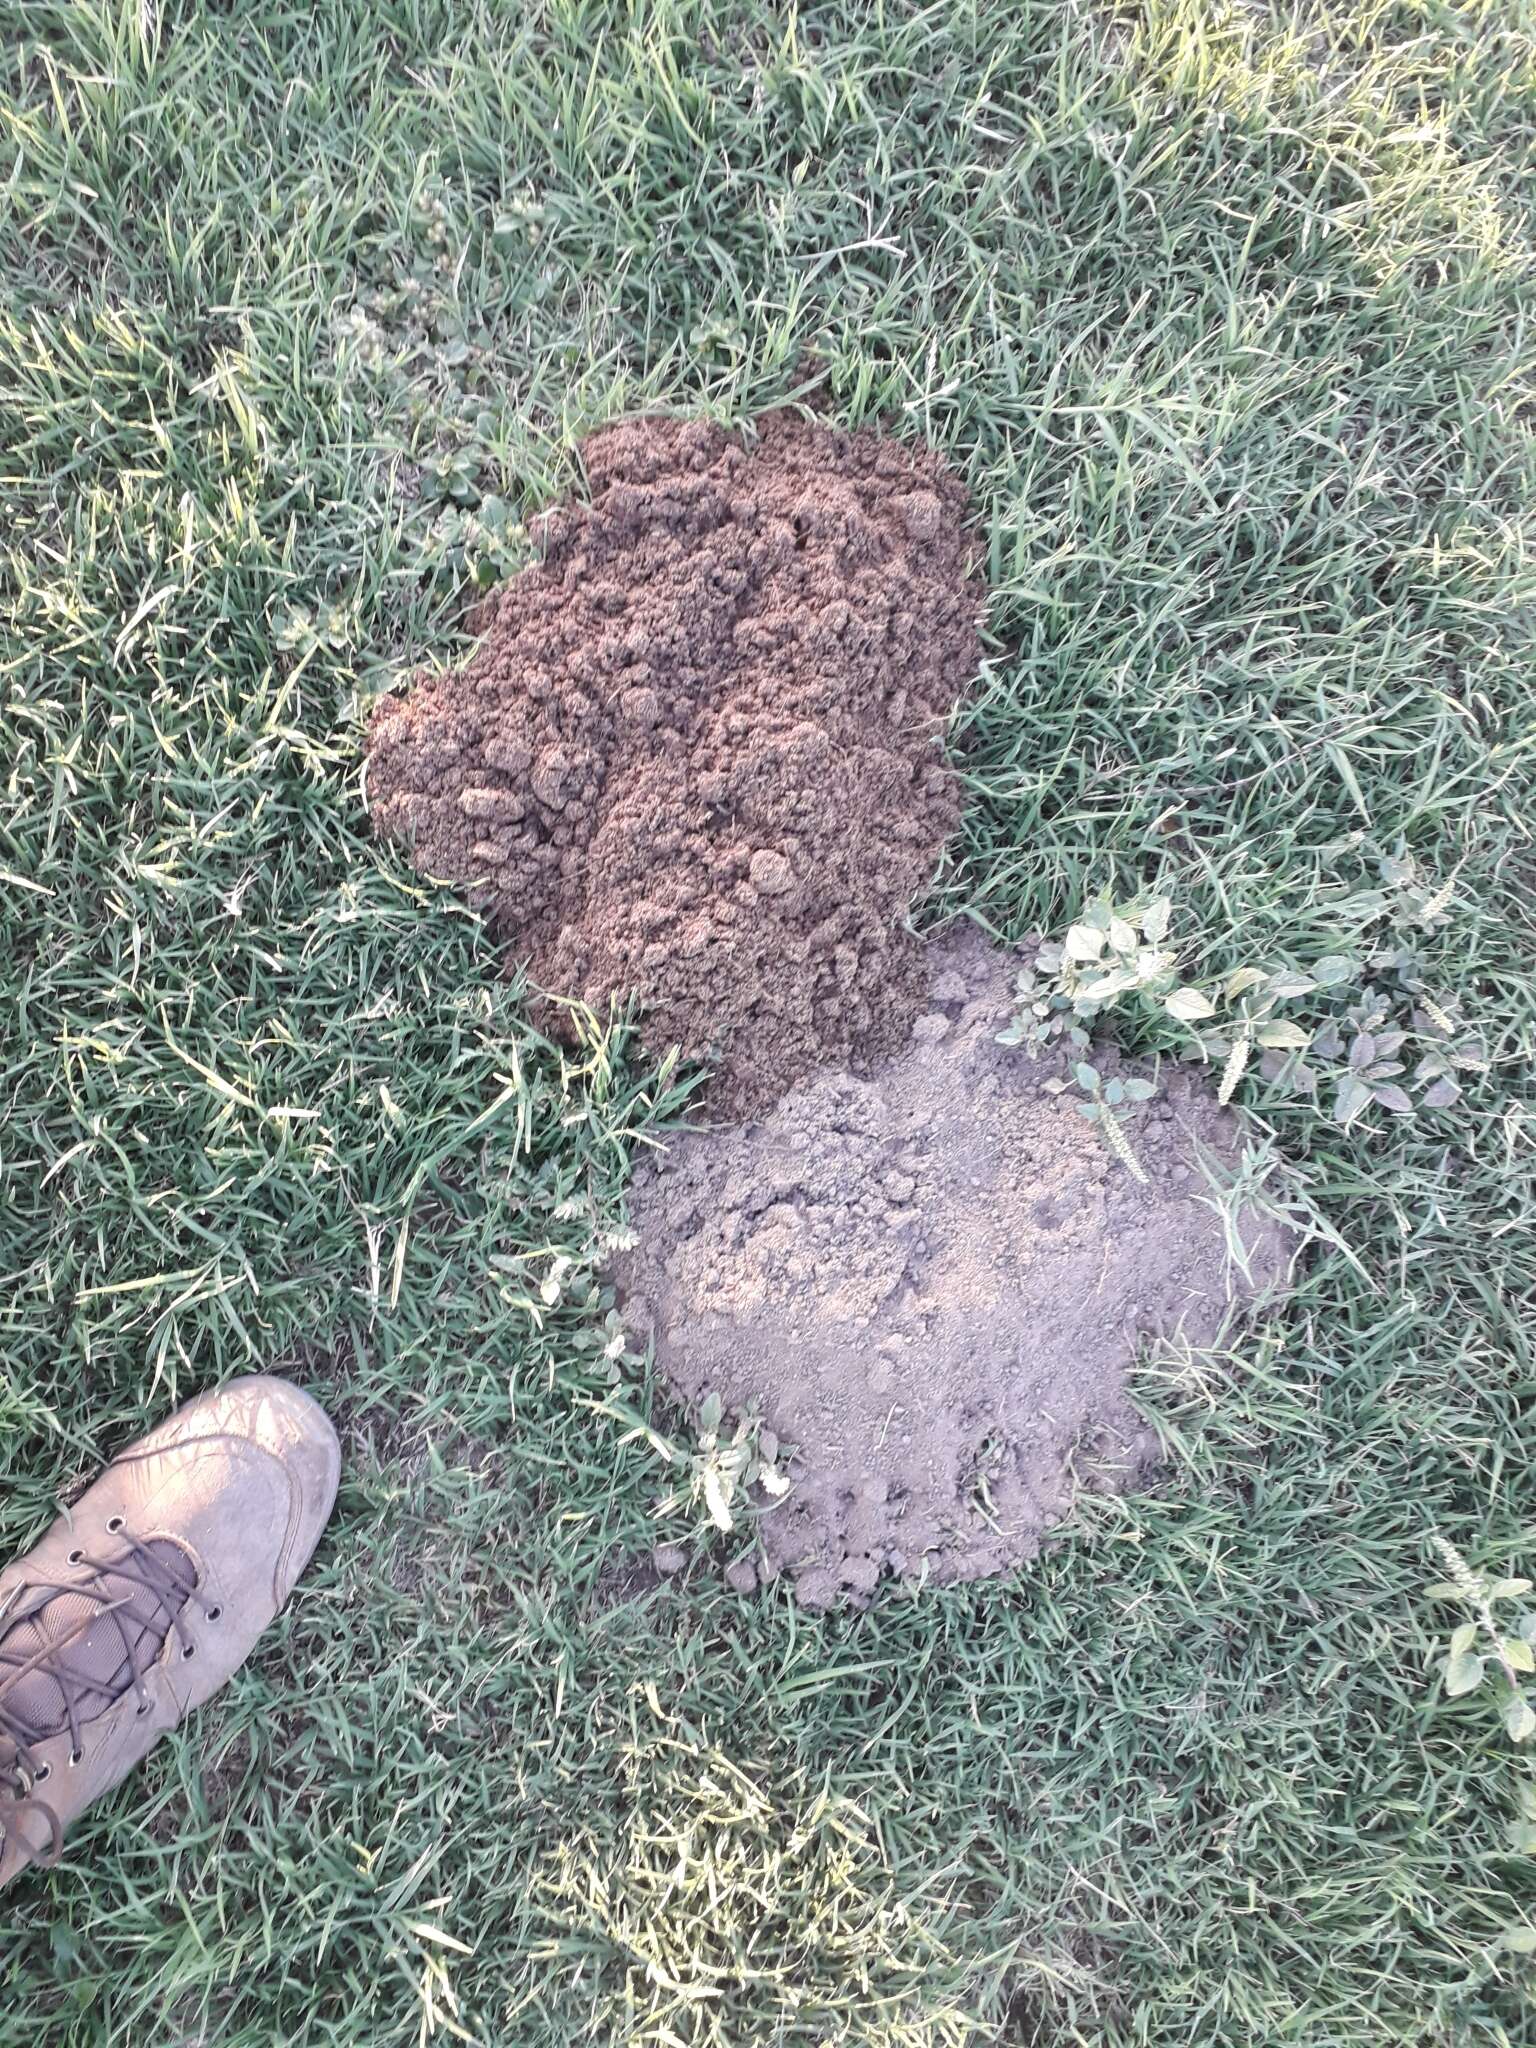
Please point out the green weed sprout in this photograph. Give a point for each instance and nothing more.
(1368, 1055)
(722, 1470)
(1114, 951)
(1106, 1107)
(1485, 1653)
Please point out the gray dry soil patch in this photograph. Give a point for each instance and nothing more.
(932, 1282)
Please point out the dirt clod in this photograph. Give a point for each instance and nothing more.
(932, 1281)
(695, 755)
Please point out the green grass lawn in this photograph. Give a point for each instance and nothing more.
(1229, 316)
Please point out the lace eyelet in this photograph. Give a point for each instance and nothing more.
(214, 1613)
(42, 1774)
(114, 1525)
(189, 1651)
(141, 1710)
(76, 1756)
(75, 1557)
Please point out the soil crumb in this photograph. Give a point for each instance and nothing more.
(931, 1282)
(696, 754)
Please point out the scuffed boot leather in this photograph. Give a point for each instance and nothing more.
(147, 1594)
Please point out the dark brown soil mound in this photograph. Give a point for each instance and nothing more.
(695, 756)
(932, 1281)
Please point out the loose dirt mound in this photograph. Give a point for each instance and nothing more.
(695, 755)
(932, 1282)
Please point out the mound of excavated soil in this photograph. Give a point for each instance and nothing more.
(695, 756)
(932, 1282)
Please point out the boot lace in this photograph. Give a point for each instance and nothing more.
(111, 1619)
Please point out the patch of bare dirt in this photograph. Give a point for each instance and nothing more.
(695, 756)
(932, 1281)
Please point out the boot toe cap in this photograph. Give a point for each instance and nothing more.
(292, 1427)
(298, 1454)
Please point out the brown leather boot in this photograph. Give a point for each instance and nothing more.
(145, 1595)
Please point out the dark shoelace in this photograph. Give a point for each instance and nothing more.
(85, 1694)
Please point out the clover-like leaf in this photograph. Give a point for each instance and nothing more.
(1333, 970)
(1289, 981)
(1284, 1037)
(1463, 1674)
(1105, 987)
(1188, 1005)
(1390, 1096)
(1241, 980)
(1352, 1098)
